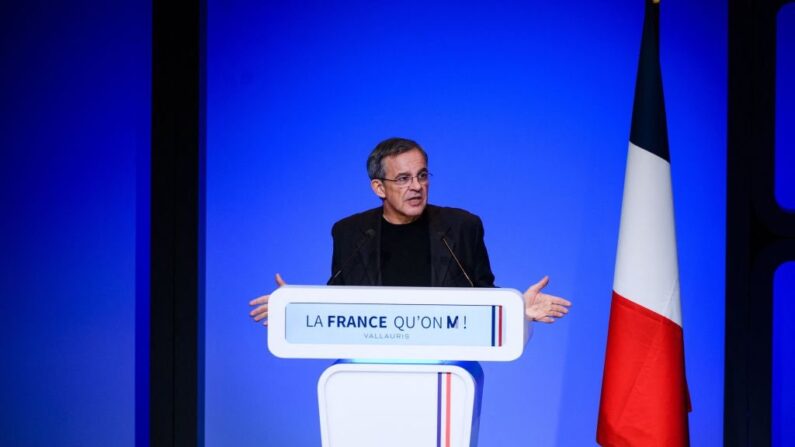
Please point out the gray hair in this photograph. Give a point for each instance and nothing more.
(388, 148)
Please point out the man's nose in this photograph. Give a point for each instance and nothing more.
(415, 183)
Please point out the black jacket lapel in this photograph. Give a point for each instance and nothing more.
(370, 253)
(440, 256)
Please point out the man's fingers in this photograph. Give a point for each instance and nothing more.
(261, 313)
(553, 300)
(561, 301)
(259, 310)
(259, 300)
(539, 285)
(279, 281)
(560, 309)
(261, 316)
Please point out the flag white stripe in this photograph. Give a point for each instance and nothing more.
(646, 262)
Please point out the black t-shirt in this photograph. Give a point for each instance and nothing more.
(406, 253)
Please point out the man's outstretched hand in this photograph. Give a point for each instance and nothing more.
(541, 307)
(261, 311)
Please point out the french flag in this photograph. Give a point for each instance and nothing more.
(645, 401)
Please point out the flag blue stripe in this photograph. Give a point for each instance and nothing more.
(649, 127)
(438, 409)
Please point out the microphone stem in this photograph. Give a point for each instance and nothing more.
(471, 284)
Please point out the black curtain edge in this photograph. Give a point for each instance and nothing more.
(760, 236)
(174, 344)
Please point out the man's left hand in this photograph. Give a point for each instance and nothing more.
(541, 307)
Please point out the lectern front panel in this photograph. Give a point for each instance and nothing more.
(396, 323)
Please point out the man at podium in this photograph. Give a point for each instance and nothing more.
(408, 242)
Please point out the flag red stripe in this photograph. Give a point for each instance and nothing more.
(644, 393)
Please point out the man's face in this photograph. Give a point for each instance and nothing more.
(403, 204)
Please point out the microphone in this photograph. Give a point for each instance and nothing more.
(368, 236)
(444, 240)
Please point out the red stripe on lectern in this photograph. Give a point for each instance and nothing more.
(499, 329)
(447, 411)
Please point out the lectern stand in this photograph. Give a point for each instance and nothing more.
(410, 376)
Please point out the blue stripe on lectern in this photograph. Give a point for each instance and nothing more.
(438, 409)
(493, 322)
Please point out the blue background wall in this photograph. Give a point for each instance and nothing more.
(75, 124)
(784, 280)
(783, 355)
(524, 108)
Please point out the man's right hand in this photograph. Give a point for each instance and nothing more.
(261, 311)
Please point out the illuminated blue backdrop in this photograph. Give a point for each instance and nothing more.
(524, 108)
(785, 107)
(783, 386)
(783, 432)
(74, 136)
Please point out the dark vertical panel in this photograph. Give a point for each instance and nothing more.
(201, 217)
(759, 234)
(174, 232)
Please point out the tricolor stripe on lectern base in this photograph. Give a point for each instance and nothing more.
(496, 325)
(644, 392)
(443, 398)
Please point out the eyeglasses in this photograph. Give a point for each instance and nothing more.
(405, 179)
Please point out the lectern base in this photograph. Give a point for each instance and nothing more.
(374, 404)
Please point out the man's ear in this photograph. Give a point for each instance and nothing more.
(378, 188)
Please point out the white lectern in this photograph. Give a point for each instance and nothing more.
(409, 375)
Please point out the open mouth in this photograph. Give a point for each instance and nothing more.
(415, 201)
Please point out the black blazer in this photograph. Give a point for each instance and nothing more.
(357, 249)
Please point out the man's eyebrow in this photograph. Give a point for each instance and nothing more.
(425, 169)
